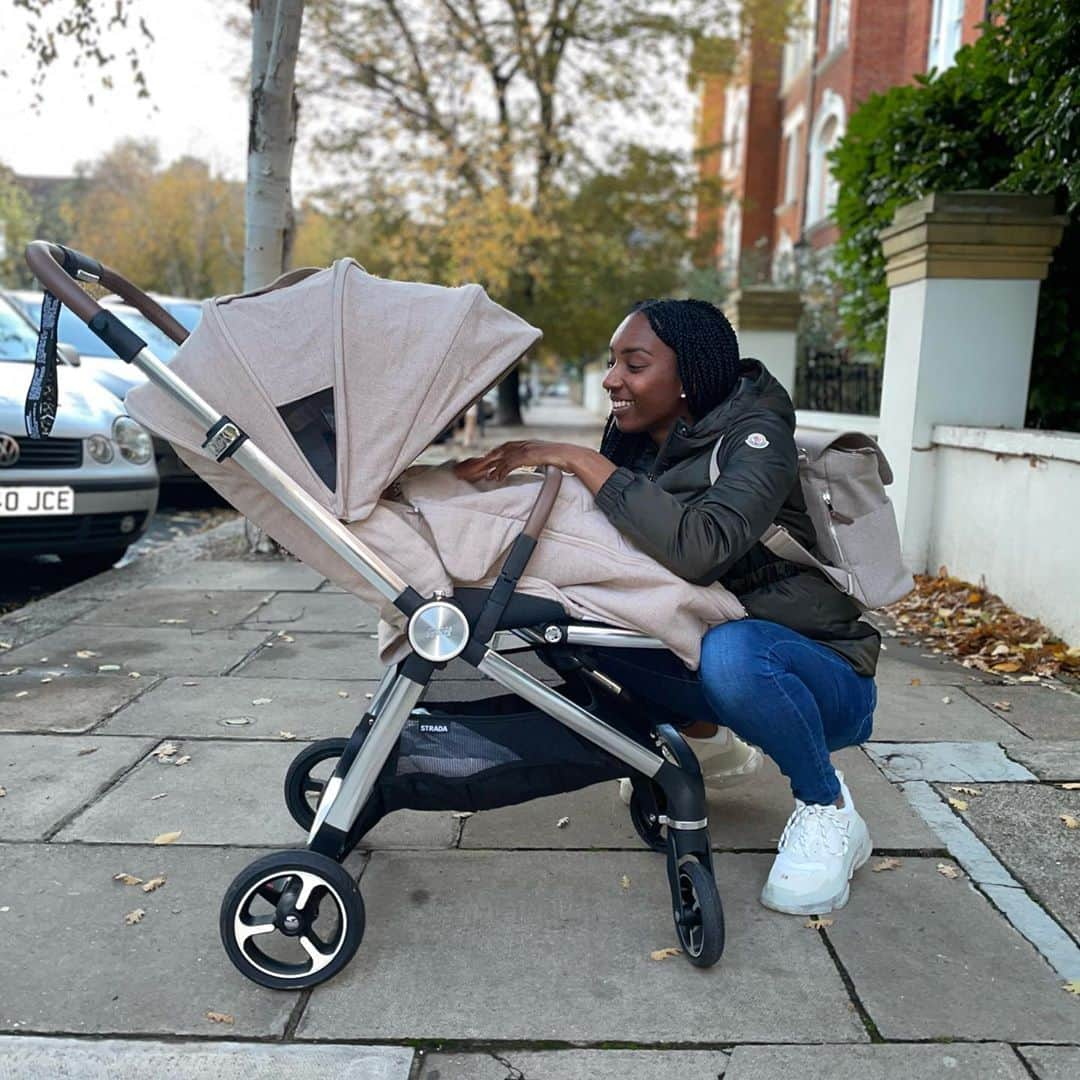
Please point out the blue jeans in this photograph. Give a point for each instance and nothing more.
(793, 697)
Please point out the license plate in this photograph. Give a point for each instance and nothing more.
(36, 501)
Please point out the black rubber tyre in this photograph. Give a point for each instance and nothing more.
(651, 832)
(302, 790)
(700, 924)
(264, 895)
(90, 563)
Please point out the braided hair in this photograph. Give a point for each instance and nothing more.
(706, 356)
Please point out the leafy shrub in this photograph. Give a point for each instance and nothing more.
(1005, 117)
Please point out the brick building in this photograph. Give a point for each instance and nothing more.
(774, 118)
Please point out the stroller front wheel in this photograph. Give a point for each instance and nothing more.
(699, 918)
(292, 920)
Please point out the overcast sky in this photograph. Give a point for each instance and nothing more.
(197, 105)
(195, 108)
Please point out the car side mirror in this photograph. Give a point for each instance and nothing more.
(69, 354)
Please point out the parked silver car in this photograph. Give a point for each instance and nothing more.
(90, 489)
(117, 376)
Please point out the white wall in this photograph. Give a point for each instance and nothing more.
(1006, 509)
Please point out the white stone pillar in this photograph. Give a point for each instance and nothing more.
(963, 271)
(767, 322)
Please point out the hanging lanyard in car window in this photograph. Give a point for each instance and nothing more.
(40, 409)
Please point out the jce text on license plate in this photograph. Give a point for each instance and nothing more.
(36, 501)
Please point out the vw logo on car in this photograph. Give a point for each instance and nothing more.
(9, 451)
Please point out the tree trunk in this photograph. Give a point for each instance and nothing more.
(275, 40)
(268, 211)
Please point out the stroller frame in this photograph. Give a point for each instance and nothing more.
(667, 781)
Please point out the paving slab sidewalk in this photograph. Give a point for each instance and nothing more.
(510, 943)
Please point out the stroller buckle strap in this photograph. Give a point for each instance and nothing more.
(663, 819)
(224, 439)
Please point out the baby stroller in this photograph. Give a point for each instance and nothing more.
(293, 919)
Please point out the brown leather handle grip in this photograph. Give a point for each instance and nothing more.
(59, 269)
(549, 490)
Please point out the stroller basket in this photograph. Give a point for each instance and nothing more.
(480, 755)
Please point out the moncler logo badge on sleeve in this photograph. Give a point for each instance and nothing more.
(757, 441)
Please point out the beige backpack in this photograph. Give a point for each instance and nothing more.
(843, 477)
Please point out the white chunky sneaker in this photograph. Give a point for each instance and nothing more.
(724, 758)
(821, 847)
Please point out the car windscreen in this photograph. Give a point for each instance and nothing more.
(71, 330)
(17, 338)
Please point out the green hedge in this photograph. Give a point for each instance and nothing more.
(1005, 117)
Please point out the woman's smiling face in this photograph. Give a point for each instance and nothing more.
(643, 381)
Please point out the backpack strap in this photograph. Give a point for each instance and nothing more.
(782, 544)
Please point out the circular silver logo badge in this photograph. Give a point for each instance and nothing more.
(9, 451)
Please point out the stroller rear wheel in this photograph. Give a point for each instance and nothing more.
(291, 920)
(699, 918)
(305, 782)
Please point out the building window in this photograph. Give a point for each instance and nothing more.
(783, 263)
(822, 188)
(799, 46)
(734, 132)
(729, 259)
(946, 32)
(839, 17)
(792, 131)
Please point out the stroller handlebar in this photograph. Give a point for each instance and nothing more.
(549, 490)
(59, 268)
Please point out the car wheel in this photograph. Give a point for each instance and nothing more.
(93, 562)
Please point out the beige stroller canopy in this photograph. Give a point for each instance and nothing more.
(342, 378)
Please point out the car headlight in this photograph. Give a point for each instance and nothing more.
(100, 449)
(133, 440)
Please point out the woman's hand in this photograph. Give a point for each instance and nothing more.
(591, 468)
(497, 464)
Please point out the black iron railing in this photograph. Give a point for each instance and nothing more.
(831, 382)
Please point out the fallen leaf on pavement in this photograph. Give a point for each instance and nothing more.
(220, 1018)
(948, 871)
(108, 667)
(286, 735)
(946, 700)
(23, 693)
(134, 675)
(159, 795)
(12, 671)
(1028, 678)
(1003, 706)
(85, 654)
(968, 790)
(886, 864)
(663, 954)
(343, 693)
(47, 679)
(1069, 821)
(1007, 668)
(562, 823)
(168, 837)
(3, 792)
(816, 923)
(624, 881)
(1072, 987)
(132, 917)
(87, 750)
(190, 682)
(154, 883)
(127, 879)
(916, 682)
(164, 751)
(182, 760)
(172, 622)
(958, 804)
(261, 700)
(1070, 787)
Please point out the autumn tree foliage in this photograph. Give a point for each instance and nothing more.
(503, 141)
(175, 229)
